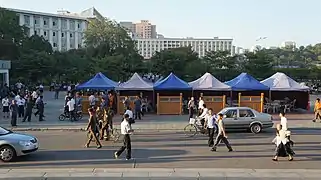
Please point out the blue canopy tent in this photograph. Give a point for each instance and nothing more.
(250, 88)
(245, 82)
(170, 104)
(99, 81)
(172, 82)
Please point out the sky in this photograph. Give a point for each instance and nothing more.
(243, 20)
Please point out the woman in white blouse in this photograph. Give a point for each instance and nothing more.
(281, 141)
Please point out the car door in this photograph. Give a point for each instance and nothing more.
(230, 118)
(246, 117)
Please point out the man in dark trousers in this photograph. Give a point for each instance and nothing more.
(14, 113)
(138, 108)
(126, 130)
(41, 108)
(221, 136)
(28, 110)
(91, 128)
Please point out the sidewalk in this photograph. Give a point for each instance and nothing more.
(149, 122)
(161, 173)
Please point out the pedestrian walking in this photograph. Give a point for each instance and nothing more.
(126, 130)
(283, 147)
(317, 110)
(190, 106)
(5, 107)
(14, 113)
(138, 108)
(41, 108)
(28, 110)
(210, 124)
(92, 129)
(221, 135)
(21, 106)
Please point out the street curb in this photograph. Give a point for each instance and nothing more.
(161, 172)
(83, 129)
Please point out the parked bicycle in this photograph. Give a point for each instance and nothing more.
(195, 127)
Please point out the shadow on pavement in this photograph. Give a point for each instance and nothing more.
(78, 157)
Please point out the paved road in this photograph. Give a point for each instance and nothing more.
(171, 150)
(167, 149)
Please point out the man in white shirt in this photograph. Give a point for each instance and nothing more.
(284, 126)
(200, 105)
(126, 130)
(221, 135)
(131, 115)
(71, 107)
(34, 95)
(204, 113)
(211, 125)
(284, 121)
(21, 107)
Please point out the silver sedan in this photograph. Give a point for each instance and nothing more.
(13, 144)
(245, 118)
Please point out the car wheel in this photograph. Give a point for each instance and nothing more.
(256, 128)
(7, 153)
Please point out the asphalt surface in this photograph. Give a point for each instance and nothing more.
(168, 149)
(164, 178)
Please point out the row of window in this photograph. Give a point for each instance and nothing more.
(184, 42)
(54, 22)
(53, 34)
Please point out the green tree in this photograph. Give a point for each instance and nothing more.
(176, 60)
(113, 51)
(11, 34)
(258, 64)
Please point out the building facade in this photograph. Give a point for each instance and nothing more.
(144, 29)
(148, 47)
(64, 30)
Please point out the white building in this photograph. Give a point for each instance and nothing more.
(148, 47)
(63, 30)
(288, 44)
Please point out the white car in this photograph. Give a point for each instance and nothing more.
(246, 118)
(13, 144)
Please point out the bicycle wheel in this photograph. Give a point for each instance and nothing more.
(190, 130)
(79, 116)
(116, 135)
(61, 117)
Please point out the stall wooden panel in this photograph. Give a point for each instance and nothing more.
(217, 103)
(254, 102)
(85, 103)
(120, 105)
(170, 105)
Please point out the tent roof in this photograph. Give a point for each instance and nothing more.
(99, 81)
(245, 82)
(281, 82)
(208, 82)
(135, 83)
(172, 82)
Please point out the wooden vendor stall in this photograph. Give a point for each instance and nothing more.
(254, 102)
(217, 103)
(120, 103)
(85, 103)
(169, 104)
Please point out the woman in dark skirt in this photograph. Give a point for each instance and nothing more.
(283, 146)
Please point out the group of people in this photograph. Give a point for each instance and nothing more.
(21, 106)
(210, 121)
(100, 122)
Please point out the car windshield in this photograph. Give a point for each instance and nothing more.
(223, 111)
(4, 131)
